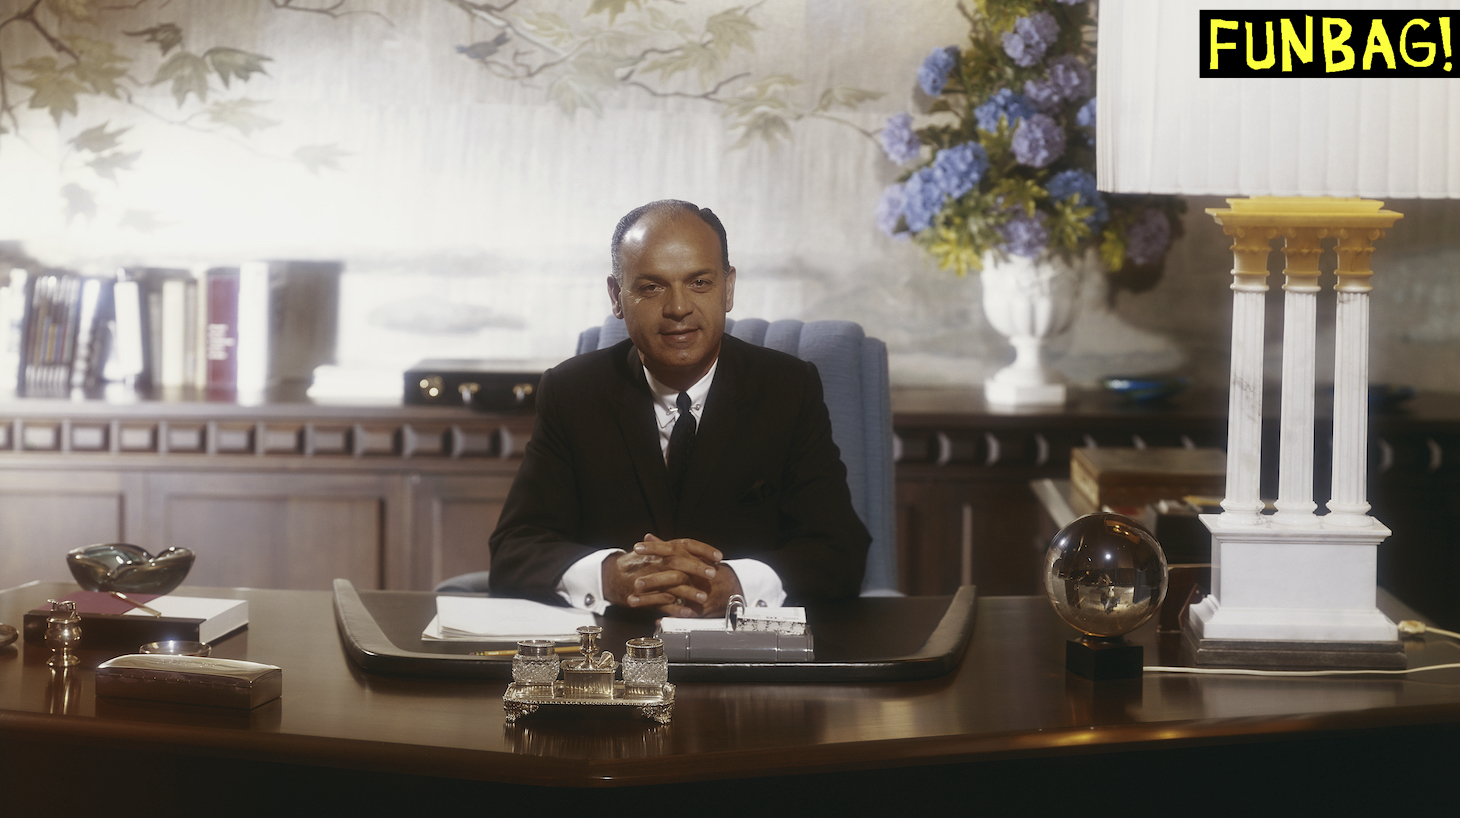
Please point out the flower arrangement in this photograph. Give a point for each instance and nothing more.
(1004, 160)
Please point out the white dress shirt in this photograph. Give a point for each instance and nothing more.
(582, 584)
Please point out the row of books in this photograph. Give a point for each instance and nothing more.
(229, 329)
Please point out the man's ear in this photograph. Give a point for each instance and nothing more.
(729, 289)
(613, 298)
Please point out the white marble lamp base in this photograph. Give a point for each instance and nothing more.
(1295, 585)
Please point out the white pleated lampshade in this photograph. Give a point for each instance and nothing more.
(1161, 128)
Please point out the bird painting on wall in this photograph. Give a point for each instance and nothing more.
(484, 49)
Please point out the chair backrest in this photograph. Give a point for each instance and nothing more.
(853, 371)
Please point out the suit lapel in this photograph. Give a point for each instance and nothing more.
(641, 439)
(723, 414)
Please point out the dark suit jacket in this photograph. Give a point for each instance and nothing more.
(765, 479)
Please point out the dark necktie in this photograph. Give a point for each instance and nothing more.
(680, 441)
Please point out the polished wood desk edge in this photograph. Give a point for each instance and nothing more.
(518, 767)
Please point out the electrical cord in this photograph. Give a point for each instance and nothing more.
(1242, 671)
(1407, 627)
(1414, 627)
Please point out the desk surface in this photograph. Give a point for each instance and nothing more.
(1009, 698)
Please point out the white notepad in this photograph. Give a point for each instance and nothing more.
(487, 619)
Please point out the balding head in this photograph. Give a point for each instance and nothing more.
(665, 208)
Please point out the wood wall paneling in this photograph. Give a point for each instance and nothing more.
(44, 514)
(452, 519)
(270, 530)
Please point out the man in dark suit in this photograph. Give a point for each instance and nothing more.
(682, 466)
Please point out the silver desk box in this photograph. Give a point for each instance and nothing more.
(190, 680)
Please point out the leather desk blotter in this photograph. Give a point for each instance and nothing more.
(873, 639)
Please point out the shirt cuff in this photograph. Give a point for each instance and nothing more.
(582, 584)
(759, 583)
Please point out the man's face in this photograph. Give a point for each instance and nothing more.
(674, 296)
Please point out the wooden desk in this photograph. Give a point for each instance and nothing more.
(1007, 720)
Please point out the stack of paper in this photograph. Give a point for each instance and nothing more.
(485, 619)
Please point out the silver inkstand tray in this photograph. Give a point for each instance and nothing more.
(587, 680)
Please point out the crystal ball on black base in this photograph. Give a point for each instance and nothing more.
(1105, 574)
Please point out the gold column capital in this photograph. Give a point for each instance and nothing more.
(1303, 221)
(1251, 245)
(1302, 247)
(1354, 249)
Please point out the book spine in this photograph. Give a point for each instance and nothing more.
(70, 333)
(254, 322)
(221, 338)
(127, 299)
(151, 333)
(173, 334)
(103, 332)
(42, 336)
(17, 327)
(85, 327)
(193, 317)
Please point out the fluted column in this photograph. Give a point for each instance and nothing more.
(1295, 504)
(1348, 505)
(1250, 248)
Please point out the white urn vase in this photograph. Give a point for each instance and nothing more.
(1029, 301)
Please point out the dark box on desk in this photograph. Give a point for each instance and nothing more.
(484, 385)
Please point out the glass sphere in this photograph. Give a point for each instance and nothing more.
(1105, 574)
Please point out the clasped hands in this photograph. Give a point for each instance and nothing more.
(681, 577)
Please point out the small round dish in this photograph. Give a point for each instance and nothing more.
(1146, 388)
(8, 635)
(177, 648)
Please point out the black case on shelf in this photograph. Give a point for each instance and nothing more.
(483, 385)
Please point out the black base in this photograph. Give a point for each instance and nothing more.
(1271, 655)
(1101, 659)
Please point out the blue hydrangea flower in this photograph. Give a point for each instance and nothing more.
(899, 141)
(1025, 235)
(1071, 77)
(1031, 37)
(1003, 103)
(957, 169)
(933, 74)
(1086, 117)
(1038, 141)
(923, 198)
(1067, 183)
(1147, 238)
(1043, 94)
(889, 210)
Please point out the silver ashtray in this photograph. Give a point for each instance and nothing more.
(175, 648)
(119, 566)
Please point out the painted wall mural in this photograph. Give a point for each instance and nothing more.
(467, 162)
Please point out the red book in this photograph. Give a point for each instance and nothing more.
(221, 342)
